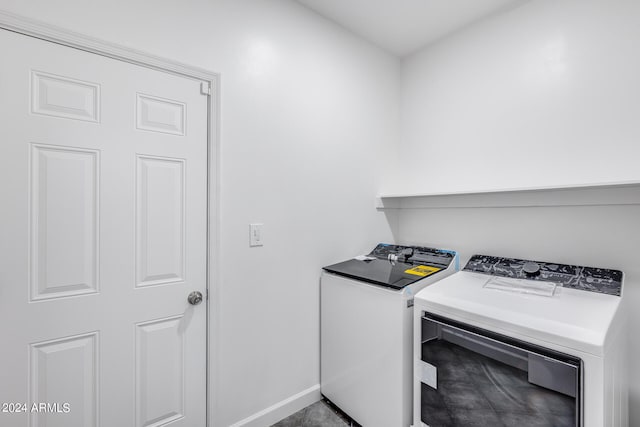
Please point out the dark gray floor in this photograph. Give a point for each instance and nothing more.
(317, 415)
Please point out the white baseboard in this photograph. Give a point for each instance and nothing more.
(282, 409)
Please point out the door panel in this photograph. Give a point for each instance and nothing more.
(160, 115)
(160, 220)
(65, 370)
(57, 268)
(103, 234)
(160, 396)
(64, 97)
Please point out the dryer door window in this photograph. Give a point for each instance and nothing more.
(475, 377)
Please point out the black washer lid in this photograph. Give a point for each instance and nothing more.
(394, 266)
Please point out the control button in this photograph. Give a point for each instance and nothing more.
(531, 268)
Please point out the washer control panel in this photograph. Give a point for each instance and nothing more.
(395, 252)
(412, 254)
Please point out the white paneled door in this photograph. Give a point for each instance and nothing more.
(103, 236)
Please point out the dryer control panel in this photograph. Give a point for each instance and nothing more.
(601, 280)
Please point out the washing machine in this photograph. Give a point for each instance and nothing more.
(366, 330)
(511, 342)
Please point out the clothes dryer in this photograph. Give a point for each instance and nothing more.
(512, 342)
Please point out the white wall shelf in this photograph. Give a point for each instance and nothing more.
(610, 193)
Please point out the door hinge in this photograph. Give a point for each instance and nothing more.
(205, 89)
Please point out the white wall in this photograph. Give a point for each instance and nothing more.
(542, 95)
(308, 118)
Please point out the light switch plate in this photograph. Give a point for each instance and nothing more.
(255, 235)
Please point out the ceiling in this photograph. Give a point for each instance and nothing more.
(404, 26)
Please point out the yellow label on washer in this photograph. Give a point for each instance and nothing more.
(422, 270)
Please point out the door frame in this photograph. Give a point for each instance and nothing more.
(51, 33)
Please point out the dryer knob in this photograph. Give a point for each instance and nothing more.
(531, 268)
